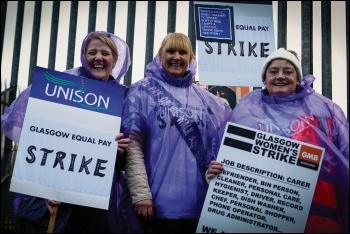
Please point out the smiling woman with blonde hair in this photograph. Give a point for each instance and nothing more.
(173, 126)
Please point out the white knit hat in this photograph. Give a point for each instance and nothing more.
(282, 53)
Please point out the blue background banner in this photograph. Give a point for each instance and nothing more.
(214, 23)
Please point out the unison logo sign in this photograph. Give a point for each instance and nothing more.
(76, 91)
(71, 91)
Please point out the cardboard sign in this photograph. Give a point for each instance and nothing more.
(267, 184)
(67, 149)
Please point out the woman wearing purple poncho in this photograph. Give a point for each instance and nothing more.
(173, 126)
(105, 57)
(290, 107)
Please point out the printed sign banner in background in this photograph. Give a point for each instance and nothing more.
(237, 63)
(214, 23)
(67, 149)
(267, 184)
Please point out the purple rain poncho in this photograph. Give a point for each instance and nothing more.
(33, 208)
(178, 122)
(312, 118)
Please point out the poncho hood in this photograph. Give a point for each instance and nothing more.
(121, 67)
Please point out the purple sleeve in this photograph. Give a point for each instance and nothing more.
(12, 119)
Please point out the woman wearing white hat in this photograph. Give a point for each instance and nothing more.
(287, 99)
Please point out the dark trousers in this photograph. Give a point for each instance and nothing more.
(171, 226)
(88, 220)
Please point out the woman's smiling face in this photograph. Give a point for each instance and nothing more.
(175, 61)
(281, 77)
(100, 59)
(176, 54)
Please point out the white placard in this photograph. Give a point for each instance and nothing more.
(267, 184)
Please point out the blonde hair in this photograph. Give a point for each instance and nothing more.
(177, 41)
(105, 40)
